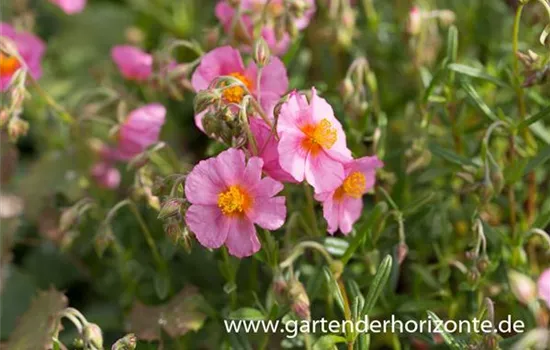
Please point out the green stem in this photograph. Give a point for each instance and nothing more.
(65, 116)
(311, 210)
(231, 276)
(515, 45)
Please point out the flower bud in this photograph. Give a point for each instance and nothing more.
(299, 299)
(93, 336)
(128, 342)
(170, 207)
(280, 286)
(205, 99)
(103, 239)
(446, 17)
(483, 264)
(17, 128)
(262, 53)
(523, 287)
(402, 251)
(68, 218)
(414, 23)
(473, 276)
(346, 88)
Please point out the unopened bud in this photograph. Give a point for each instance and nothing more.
(68, 218)
(523, 287)
(402, 251)
(205, 99)
(262, 54)
(497, 178)
(280, 286)
(473, 276)
(103, 239)
(346, 88)
(170, 207)
(483, 264)
(299, 299)
(414, 23)
(337, 268)
(128, 342)
(486, 191)
(93, 336)
(211, 124)
(446, 17)
(17, 128)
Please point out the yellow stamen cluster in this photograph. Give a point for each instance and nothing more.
(322, 135)
(236, 93)
(8, 65)
(354, 186)
(234, 201)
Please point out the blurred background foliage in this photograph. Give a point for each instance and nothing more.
(430, 131)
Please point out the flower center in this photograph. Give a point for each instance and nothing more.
(234, 201)
(235, 94)
(322, 135)
(8, 65)
(354, 186)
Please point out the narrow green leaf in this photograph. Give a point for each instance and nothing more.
(450, 155)
(438, 76)
(452, 49)
(247, 313)
(364, 230)
(378, 283)
(336, 246)
(447, 337)
(162, 285)
(542, 157)
(362, 342)
(333, 288)
(543, 219)
(540, 131)
(534, 118)
(475, 73)
(477, 100)
(328, 342)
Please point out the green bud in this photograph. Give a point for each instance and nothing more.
(170, 207)
(93, 336)
(205, 99)
(299, 299)
(262, 53)
(128, 342)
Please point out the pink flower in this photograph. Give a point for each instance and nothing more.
(140, 130)
(253, 13)
(312, 143)
(544, 286)
(267, 150)
(106, 175)
(133, 63)
(70, 7)
(30, 48)
(228, 197)
(342, 207)
(226, 60)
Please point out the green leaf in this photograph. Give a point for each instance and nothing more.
(542, 157)
(452, 48)
(247, 313)
(328, 342)
(362, 342)
(543, 220)
(447, 337)
(162, 285)
(364, 230)
(477, 100)
(438, 76)
(449, 155)
(36, 327)
(475, 73)
(540, 115)
(336, 246)
(334, 289)
(378, 283)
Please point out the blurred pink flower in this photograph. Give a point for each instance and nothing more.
(267, 150)
(228, 197)
(133, 63)
(106, 175)
(226, 60)
(30, 48)
(543, 285)
(312, 143)
(253, 12)
(140, 130)
(70, 7)
(342, 207)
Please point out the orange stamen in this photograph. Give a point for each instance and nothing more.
(319, 136)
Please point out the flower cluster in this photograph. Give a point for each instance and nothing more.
(276, 21)
(296, 140)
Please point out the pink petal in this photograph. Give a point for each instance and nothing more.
(323, 173)
(132, 62)
(274, 76)
(267, 187)
(367, 166)
(331, 210)
(230, 166)
(292, 155)
(544, 287)
(203, 184)
(70, 6)
(241, 239)
(252, 173)
(268, 213)
(220, 61)
(350, 212)
(208, 224)
(277, 47)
